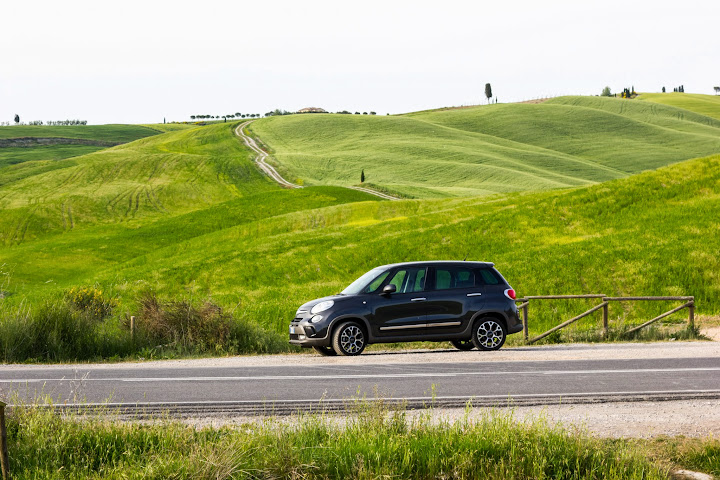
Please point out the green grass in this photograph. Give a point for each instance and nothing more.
(372, 443)
(169, 127)
(104, 135)
(110, 133)
(565, 142)
(13, 156)
(155, 177)
(708, 105)
(650, 234)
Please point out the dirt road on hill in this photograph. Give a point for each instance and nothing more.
(272, 173)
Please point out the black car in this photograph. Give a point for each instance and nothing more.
(467, 303)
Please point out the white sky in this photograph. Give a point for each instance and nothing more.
(140, 61)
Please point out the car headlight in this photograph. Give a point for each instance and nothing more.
(321, 307)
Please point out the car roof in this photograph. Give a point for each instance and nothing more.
(459, 263)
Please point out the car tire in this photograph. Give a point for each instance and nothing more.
(488, 333)
(349, 339)
(325, 351)
(463, 345)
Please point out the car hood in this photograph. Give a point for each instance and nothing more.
(336, 298)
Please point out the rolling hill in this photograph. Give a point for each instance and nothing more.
(565, 142)
(708, 105)
(22, 143)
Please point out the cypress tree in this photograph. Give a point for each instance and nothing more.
(488, 91)
(362, 176)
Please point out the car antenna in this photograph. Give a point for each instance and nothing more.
(465, 257)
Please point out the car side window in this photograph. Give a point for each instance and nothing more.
(375, 284)
(409, 280)
(487, 277)
(447, 278)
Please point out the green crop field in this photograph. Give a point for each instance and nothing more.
(103, 135)
(708, 105)
(565, 142)
(110, 133)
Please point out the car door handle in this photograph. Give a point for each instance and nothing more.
(419, 299)
(474, 294)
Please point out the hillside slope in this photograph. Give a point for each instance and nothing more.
(565, 142)
(21, 143)
(708, 105)
(651, 234)
(165, 174)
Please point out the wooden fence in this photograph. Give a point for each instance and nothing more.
(524, 303)
(4, 463)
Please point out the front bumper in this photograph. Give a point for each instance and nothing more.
(307, 335)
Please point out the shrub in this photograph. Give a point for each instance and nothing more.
(90, 301)
(184, 324)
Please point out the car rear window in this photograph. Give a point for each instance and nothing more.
(488, 277)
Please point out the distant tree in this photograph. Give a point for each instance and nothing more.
(632, 90)
(682, 88)
(237, 114)
(606, 92)
(17, 118)
(192, 117)
(488, 91)
(163, 120)
(362, 176)
(663, 89)
(373, 113)
(364, 113)
(357, 113)
(717, 89)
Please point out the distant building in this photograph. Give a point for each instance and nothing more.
(312, 110)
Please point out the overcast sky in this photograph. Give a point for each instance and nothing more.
(142, 61)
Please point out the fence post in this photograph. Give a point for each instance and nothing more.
(605, 320)
(525, 320)
(4, 459)
(691, 316)
(132, 327)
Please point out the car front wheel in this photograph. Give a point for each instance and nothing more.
(488, 334)
(349, 339)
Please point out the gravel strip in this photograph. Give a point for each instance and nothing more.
(694, 418)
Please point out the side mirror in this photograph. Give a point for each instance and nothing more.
(388, 289)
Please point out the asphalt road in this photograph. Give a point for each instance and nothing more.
(300, 385)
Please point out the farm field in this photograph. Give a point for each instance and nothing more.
(708, 105)
(90, 138)
(564, 142)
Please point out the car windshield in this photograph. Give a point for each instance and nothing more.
(365, 283)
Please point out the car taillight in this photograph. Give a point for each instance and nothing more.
(510, 293)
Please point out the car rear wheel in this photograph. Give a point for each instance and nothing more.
(464, 345)
(488, 334)
(349, 339)
(326, 351)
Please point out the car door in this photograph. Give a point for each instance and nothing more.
(455, 294)
(402, 312)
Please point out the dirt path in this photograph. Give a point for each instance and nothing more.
(272, 173)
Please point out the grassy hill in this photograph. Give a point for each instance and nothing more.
(157, 176)
(566, 142)
(91, 138)
(708, 105)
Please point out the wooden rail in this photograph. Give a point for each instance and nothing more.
(525, 302)
(4, 459)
